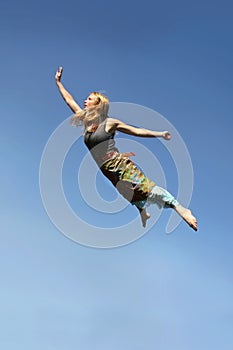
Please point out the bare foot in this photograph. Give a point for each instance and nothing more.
(190, 219)
(144, 217)
(187, 215)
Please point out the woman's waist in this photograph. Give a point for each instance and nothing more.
(115, 159)
(102, 158)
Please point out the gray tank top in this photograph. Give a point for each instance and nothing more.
(100, 143)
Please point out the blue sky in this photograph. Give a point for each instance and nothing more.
(162, 291)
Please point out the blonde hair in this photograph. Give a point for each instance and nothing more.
(94, 115)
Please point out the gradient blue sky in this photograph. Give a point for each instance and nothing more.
(160, 292)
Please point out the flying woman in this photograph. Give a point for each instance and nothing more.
(99, 132)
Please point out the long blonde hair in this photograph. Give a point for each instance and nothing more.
(94, 115)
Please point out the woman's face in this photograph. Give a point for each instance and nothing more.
(90, 101)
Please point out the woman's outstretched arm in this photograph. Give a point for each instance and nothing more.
(115, 124)
(65, 94)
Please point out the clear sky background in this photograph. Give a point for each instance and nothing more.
(162, 291)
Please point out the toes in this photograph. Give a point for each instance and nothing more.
(194, 226)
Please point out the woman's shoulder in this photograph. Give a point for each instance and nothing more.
(111, 124)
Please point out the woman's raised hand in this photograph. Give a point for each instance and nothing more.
(58, 74)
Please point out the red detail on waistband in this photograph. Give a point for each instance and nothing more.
(109, 155)
(129, 154)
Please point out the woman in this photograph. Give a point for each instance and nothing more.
(99, 131)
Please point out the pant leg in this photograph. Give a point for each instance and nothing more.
(162, 198)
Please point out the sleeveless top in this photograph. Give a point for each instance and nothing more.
(100, 143)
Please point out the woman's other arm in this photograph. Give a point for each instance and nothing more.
(115, 124)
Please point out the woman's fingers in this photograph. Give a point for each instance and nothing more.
(59, 73)
(167, 135)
